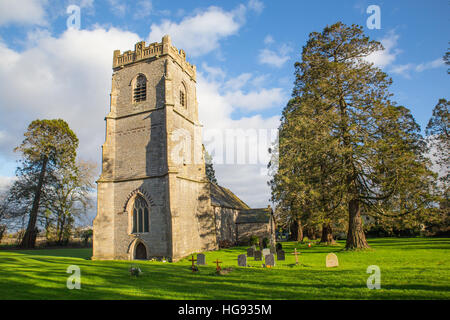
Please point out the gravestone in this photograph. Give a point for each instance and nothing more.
(201, 261)
(270, 260)
(242, 260)
(265, 252)
(332, 260)
(280, 255)
(258, 255)
(250, 252)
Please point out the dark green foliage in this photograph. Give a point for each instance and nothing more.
(210, 172)
(254, 240)
(265, 243)
(279, 246)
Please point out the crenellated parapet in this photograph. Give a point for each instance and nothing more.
(153, 51)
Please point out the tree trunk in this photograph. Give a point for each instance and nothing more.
(299, 231)
(296, 231)
(355, 236)
(61, 229)
(29, 238)
(327, 234)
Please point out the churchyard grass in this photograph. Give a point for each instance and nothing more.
(411, 268)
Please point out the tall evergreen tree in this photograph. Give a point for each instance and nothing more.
(356, 146)
(49, 145)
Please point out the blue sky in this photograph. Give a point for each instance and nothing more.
(244, 52)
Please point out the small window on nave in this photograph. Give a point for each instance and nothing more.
(140, 89)
(140, 215)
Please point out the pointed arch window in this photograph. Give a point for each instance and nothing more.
(140, 215)
(140, 89)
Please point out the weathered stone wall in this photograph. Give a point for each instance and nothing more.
(246, 230)
(226, 224)
(192, 215)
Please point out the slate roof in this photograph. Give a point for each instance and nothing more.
(223, 197)
(260, 215)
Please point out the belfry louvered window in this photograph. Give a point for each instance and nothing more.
(140, 215)
(183, 96)
(140, 89)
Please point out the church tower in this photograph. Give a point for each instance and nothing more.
(153, 197)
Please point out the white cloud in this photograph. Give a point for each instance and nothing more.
(268, 39)
(256, 6)
(24, 12)
(257, 100)
(5, 183)
(274, 55)
(201, 33)
(143, 9)
(439, 62)
(387, 56)
(117, 7)
(272, 58)
(402, 69)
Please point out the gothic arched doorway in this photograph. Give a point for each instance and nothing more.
(140, 252)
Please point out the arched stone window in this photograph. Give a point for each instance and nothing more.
(140, 215)
(140, 88)
(183, 97)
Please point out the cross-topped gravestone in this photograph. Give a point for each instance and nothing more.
(332, 260)
(265, 251)
(280, 255)
(270, 260)
(296, 255)
(193, 260)
(242, 260)
(250, 252)
(201, 259)
(258, 255)
(218, 268)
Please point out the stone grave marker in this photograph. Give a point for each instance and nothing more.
(258, 255)
(265, 252)
(270, 260)
(250, 252)
(201, 261)
(280, 255)
(332, 260)
(242, 260)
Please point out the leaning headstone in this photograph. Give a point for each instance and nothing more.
(250, 252)
(265, 252)
(332, 260)
(270, 260)
(258, 255)
(201, 261)
(280, 255)
(242, 260)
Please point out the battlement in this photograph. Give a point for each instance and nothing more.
(154, 50)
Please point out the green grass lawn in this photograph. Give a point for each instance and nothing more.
(413, 268)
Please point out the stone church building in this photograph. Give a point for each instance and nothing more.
(154, 199)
